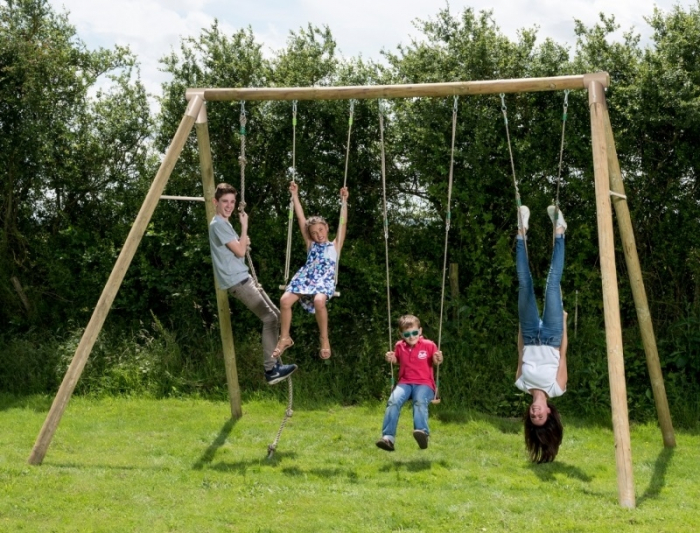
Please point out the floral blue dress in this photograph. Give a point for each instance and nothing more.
(317, 276)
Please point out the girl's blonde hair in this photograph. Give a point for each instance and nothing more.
(315, 220)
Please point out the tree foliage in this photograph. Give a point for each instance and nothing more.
(75, 168)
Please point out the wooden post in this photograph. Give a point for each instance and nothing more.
(624, 222)
(611, 299)
(207, 169)
(454, 289)
(99, 315)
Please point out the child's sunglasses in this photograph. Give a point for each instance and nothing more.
(409, 334)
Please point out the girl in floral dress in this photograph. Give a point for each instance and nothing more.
(314, 284)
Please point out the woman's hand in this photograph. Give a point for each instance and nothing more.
(344, 194)
(293, 188)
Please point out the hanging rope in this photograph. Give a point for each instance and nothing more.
(344, 202)
(561, 161)
(241, 207)
(386, 231)
(448, 217)
(518, 203)
(290, 214)
(287, 415)
(241, 203)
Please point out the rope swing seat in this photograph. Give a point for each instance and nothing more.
(448, 215)
(290, 214)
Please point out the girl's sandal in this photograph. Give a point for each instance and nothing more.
(281, 348)
(324, 353)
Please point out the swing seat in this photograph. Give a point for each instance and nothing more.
(283, 288)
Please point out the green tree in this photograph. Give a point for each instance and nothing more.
(65, 161)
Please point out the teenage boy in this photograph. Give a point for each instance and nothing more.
(227, 253)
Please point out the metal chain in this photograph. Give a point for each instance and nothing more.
(386, 231)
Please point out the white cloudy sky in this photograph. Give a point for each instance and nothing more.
(153, 27)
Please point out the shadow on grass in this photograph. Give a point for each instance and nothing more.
(416, 465)
(241, 467)
(326, 473)
(509, 426)
(658, 478)
(547, 471)
(208, 455)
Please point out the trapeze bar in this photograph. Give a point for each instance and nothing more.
(185, 198)
(459, 88)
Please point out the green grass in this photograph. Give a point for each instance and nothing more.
(181, 466)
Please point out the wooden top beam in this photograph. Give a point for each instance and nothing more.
(361, 92)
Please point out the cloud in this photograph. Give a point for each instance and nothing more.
(151, 28)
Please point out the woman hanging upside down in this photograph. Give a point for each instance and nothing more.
(542, 343)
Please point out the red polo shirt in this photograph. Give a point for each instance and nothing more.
(416, 362)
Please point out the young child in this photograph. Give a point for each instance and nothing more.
(542, 344)
(314, 284)
(416, 357)
(227, 254)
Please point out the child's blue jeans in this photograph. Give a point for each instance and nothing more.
(548, 330)
(421, 396)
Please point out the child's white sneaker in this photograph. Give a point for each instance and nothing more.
(560, 223)
(523, 217)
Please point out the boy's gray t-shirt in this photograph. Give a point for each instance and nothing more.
(228, 269)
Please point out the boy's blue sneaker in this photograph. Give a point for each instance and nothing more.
(279, 372)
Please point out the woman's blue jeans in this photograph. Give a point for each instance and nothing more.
(549, 329)
(421, 396)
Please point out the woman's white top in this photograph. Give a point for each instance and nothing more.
(539, 370)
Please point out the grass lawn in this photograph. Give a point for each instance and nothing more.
(181, 465)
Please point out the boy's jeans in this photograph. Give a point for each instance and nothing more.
(549, 330)
(421, 395)
(260, 304)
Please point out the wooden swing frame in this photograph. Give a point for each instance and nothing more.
(609, 189)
